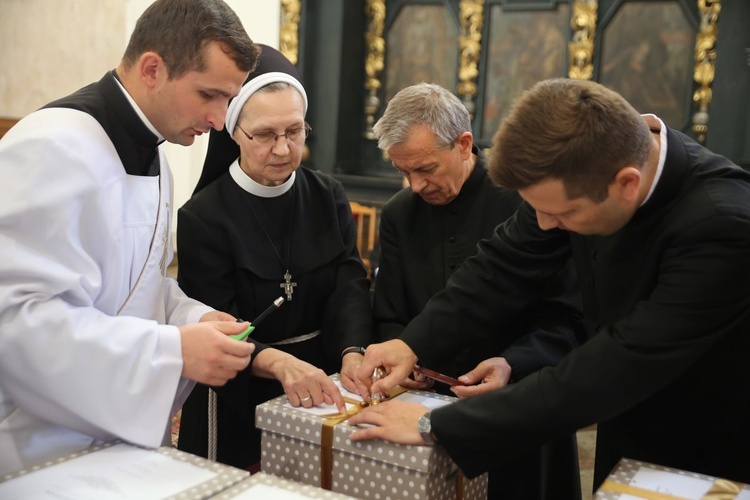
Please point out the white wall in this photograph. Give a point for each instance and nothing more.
(50, 48)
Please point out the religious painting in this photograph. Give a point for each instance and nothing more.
(647, 56)
(421, 46)
(523, 47)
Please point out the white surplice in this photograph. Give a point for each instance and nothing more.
(86, 348)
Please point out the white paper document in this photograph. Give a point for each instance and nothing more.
(430, 403)
(117, 472)
(325, 409)
(670, 484)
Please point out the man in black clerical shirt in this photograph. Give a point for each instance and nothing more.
(659, 230)
(426, 233)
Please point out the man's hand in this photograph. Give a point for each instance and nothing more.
(209, 356)
(488, 375)
(397, 359)
(417, 381)
(217, 316)
(304, 384)
(394, 420)
(350, 364)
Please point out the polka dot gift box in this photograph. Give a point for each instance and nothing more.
(635, 479)
(262, 486)
(298, 444)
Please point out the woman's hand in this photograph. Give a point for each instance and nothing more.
(304, 384)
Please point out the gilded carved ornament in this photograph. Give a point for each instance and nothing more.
(470, 47)
(705, 57)
(289, 40)
(581, 45)
(289, 29)
(374, 60)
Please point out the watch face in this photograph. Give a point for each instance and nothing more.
(425, 428)
(424, 424)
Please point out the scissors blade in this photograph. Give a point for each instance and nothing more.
(437, 376)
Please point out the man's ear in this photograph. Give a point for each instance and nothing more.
(465, 142)
(628, 182)
(151, 69)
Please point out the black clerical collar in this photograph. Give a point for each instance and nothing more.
(474, 181)
(106, 102)
(159, 138)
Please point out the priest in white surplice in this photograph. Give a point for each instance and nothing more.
(96, 343)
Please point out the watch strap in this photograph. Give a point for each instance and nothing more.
(425, 429)
(349, 350)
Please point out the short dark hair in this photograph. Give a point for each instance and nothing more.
(576, 131)
(179, 30)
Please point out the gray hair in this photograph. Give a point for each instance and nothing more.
(277, 87)
(427, 104)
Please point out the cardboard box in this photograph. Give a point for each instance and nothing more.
(120, 470)
(291, 448)
(632, 479)
(262, 486)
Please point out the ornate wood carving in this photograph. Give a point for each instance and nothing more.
(289, 29)
(374, 60)
(470, 47)
(581, 46)
(705, 57)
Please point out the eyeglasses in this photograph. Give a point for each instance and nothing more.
(268, 138)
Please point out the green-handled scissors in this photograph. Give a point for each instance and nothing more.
(244, 334)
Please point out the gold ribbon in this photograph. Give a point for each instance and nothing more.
(615, 487)
(721, 489)
(460, 486)
(326, 435)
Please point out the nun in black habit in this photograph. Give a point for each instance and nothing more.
(258, 227)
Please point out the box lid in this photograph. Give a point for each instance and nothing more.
(278, 416)
(633, 477)
(267, 486)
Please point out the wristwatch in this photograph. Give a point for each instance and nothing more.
(349, 350)
(425, 430)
